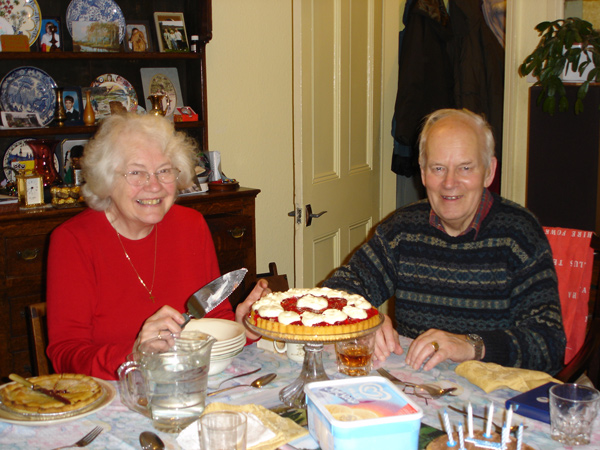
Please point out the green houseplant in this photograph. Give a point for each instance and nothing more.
(565, 43)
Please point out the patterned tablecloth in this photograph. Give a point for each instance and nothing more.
(122, 426)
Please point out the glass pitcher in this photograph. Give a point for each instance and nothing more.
(166, 379)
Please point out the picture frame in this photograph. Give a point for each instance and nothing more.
(50, 39)
(162, 80)
(89, 36)
(170, 32)
(73, 103)
(137, 37)
(66, 147)
(20, 119)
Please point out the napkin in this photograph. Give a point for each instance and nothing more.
(491, 376)
(265, 429)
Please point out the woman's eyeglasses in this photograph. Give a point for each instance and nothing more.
(141, 177)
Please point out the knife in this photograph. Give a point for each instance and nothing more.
(35, 387)
(207, 298)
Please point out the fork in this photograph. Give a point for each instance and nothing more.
(430, 390)
(86, 440)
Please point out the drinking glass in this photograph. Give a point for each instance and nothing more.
(355, 356)
(573, 408)
(223, 430)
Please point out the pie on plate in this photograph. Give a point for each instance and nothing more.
(81, 390)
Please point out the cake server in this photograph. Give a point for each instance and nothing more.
(207, 298)
(35, 387)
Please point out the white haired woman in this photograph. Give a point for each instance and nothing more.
(120, 272)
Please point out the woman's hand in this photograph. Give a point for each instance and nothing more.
(387, 340)
(163, 322)
(438, 346)
(243, 309)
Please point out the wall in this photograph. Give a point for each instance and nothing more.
(250, 109)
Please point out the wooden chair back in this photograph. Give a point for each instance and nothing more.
(277, 282)
(38, 338)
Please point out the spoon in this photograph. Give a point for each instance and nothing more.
(237, 376)
(258, 383)
(496, 426)
(433, 391)
(150, 441)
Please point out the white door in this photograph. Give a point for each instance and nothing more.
(337, 110)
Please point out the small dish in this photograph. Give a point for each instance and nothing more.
(223, 185)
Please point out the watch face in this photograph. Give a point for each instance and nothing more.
(34, 191)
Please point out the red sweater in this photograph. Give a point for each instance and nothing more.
(97, 305)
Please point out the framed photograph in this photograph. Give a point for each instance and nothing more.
(95, 36)
(137, 37)
(73, 103)
(50, 39)
(20, 120)
(170, 32)
(70, 148)
(165, 81)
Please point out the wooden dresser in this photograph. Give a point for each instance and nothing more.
(24, 238)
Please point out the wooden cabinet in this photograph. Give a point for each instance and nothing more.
(24, 238)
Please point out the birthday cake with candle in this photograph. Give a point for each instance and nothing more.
(469, 439)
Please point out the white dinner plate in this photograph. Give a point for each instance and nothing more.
(220, 329)
(109, 395)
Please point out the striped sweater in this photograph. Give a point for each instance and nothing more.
(500, 284)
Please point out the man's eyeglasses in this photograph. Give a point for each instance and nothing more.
(141, 177)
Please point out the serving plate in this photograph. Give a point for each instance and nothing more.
(20, 156)
(29, 89)
(24, 16)
(108, 395)
(95, 11)
(113, 88)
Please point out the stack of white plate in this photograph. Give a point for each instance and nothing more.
(230, 336)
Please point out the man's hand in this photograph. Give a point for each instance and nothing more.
(438, 346)
(387, 340)
(243, 309)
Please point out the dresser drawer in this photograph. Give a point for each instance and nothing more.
(231, 232)
(25, 256)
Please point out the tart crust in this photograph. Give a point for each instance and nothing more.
(81, 390)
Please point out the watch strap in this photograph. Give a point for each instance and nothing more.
(477, 342)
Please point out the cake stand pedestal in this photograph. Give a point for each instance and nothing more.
(312, 367)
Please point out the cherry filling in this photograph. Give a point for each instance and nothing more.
(291, 304)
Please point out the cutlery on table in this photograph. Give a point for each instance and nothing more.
(258, 383)
(87, 439)
(496, 426)
(208, 297)
(428, 389)
(151, 441)
(237, 376)
(35, 387)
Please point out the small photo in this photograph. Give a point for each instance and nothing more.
(50, 36)
(73, 103)
(20, 120)
(95, 36)
(70, 148)
(137, 37)
(170, 32)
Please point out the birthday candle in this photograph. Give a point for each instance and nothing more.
(505, 431)
(488, 427)
(520, 437)
(461, 437)
(451, 442)
(509, 414)
(470, 420)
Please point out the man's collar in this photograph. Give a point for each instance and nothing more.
(487, 200)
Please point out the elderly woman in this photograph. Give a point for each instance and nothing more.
(121, 271)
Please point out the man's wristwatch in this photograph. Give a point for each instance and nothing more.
(477, 342)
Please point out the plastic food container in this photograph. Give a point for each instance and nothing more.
(355, 414)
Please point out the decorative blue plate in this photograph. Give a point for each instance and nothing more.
(29, 89)
(24, 16)
(95, 11)
(19, 156)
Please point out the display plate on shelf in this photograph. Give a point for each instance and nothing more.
(95, 11)
(29, 89)
(116, 89)
(162, 80)
(5, 28)
(20, 156)
(24, 16)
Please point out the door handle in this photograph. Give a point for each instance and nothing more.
(310, 216)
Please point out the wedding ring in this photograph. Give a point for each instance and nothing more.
(159, 334)
(435, 346)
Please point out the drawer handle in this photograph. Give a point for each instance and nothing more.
(29, 254)
(237, 232)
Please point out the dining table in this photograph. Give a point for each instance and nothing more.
(122, 427)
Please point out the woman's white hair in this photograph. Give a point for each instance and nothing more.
(105, 154)
(479, 124)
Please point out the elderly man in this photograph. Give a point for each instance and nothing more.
(471, 272)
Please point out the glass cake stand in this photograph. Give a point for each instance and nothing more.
(312, 367)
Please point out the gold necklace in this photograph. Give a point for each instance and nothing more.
(133, 267)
